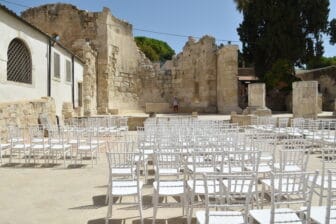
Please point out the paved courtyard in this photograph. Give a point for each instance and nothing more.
(34, 195)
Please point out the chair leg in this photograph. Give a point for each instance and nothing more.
(140, 207)
(155, 205)
(109, 210)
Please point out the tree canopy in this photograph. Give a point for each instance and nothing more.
(155, 50)
(279, 33)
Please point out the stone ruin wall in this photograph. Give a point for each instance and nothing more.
(25, 113)
(107, 46)
(117, 75)
(326, 78)
(193, 75)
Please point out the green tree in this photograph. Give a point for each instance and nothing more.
(278, 31)
(321, 62)
(332, 31)
(155, 50)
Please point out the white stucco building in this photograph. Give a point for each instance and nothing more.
(33, 64)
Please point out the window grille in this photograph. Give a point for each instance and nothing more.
(19, 64)
(57, 73)
(68, 71)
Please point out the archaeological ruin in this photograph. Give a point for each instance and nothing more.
(118, 77)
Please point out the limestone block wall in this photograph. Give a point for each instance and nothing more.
(227, 79)
(194, 75)
(326, 78)
(25, 113)
(305, 99)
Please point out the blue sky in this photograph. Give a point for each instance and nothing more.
(218, 18)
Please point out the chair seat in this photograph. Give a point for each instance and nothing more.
(199, 186)
(201, 169)
(216, 217)
(288, 168)
(125, 187)
(97, 142)
(21, 146)
(170, 187)
(60, 146)
(39, 140)
(167, 171)
(4, 145)
(75, 141)
(263, 216)
(318, 214)
(122, 171)
(86, 147)
(39, 146)
(236, 169)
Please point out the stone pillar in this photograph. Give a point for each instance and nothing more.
(227, 79)
(257, 100)
(305, 99)
(67, 110)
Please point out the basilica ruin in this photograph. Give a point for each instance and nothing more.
(118, 77)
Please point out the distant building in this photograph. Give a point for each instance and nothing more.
(33, 64)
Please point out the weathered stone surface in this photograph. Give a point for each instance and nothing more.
(117, 75)
(257, 100)
(305, 99)
(227, 79)
(134, 122)
(158, 108)
(25, 113)
(241, 120)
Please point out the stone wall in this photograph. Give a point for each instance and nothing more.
(305, 99)
(193, 75)
(227, 79)
(25, 113)
(118, 76)
(326, 78)
(120, 68)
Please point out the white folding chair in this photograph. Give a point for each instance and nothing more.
(123, 165)
(58, 144)
(288, 189)
(326, 214)
(18, 143)
(169, 180)
(86, 146)
(227, 198)
(328, 161)
(196, 165)
(39, 144)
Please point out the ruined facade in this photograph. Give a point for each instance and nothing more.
(118, 77)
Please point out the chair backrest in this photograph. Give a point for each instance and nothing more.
(122, 160)
(331, 199)
(121, 146)
(228, 192)
(167, 160)
(239, 161)
(291, 189)
(293, 158)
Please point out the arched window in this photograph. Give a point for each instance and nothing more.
(19, 65)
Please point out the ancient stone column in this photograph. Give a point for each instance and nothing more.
(257, 100)
(305, 99)
(227, 79)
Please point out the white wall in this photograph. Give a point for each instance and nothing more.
(61, 89)
(37, 43)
